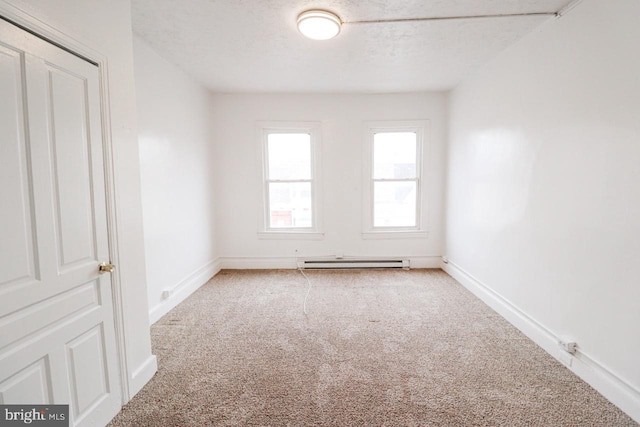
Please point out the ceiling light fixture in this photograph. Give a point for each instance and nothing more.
(319, 24)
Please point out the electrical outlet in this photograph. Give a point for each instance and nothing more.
(569, 346)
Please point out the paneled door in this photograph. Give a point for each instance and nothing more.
(57, 337)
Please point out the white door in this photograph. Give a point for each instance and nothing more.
(57, 339)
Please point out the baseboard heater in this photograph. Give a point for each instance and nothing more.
(330, 264)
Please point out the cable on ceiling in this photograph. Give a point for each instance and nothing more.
(451, 18)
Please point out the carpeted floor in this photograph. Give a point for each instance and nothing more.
(377, 348)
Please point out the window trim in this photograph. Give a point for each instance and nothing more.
(314, 130)
(421, 129)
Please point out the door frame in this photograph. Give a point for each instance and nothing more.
(63, 40)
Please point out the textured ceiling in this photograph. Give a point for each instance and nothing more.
(254, 45)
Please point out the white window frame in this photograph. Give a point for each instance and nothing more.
(421, 128)
(309, 233)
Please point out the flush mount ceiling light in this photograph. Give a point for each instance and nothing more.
(319, 24)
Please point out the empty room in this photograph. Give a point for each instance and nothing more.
(320, 212)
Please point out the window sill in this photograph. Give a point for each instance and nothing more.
(373, 235)
(290, 235)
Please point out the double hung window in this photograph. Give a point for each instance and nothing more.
(394, 185)
(289, 177)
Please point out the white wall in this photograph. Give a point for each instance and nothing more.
(238, 182)
(104, 26)
(544, 189)
(176, 168)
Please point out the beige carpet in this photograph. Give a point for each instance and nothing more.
(377, 348)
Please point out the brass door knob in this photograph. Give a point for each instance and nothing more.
(106, 267)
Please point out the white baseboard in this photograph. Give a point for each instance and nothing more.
(611, 386)
(184, 288)
(258, 263)
(425, 261)
(141, 376)
(286, 263)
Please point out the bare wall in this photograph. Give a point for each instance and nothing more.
(543, 210)
(176, 170)
(238, 179)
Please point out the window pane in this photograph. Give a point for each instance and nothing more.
(394, 204)
(394, 155)
(290, 205)
(289, 155)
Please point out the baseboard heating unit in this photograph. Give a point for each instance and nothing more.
(329, 264)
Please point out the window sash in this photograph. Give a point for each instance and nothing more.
(268, 156)
(270, 225)
(376, 174)
(416, 224)
(372, 128)
(295, 128)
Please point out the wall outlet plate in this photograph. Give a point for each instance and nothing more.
(570, 347)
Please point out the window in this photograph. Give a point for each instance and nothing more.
(394, 187)
(290, 181)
